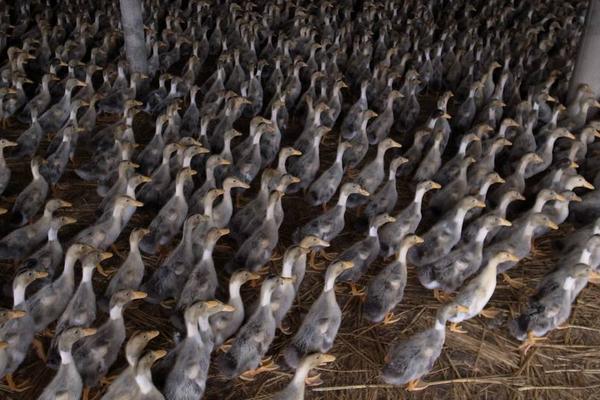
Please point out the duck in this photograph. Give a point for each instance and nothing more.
(322, 189)
(351, 122)
(442, 236)
(364, 252)
(160, 178)
(187, 377)
(331, 223)
(18, 332)
(67, 380)
(105, 232)
(414, 152)
(55, 116)
(81, 309)
(320, 325)
(386, 289)
(213, 162)
(125, 382)
(247, 165)
(143, 376)
(545, 152)
(296, 255)
(372, 174)
(40, 101)
(449, 272)
(168, 280)
(225, 324)
(295, 389)
(48, 303)
(29, 140)
(359, 140)
(221, 214)
(54, 166)
(258, 248)
(131, 271)
(480, 171)
(125, 170)
(133, 182)
(170, 218)
(202, 282)
(431, 162)
(407, 220)
(25, 240)
(379, 129)
(4, 169)
(551, 304)
(447, 197)
(516, 181)
(385, 198)
(284, 155)
(94, 355)
(149, 158)
(476, 294)
(450, 169)
(409, 360)
(31, 199)
(252, 340)
(306, 166)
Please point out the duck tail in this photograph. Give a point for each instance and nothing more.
(519, 327)
(149, 243)
(227, 365)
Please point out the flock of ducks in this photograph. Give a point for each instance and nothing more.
(244, 94)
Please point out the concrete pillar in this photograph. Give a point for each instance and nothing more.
(587, 66)
(133, 33)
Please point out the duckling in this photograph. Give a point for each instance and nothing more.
(29, 140)
(306, 166)
(221, 214)
(54, 117)
(54, 166)
(478, 291)
(133, 182)
(96, 354)
(351, 122)
(146, 390)
(225, 324)
(81, 309)
(329, 224)
(252, 340)
(558, 211)
(202, 282)
(449, 272)
(48, 303)
(284, 155)
(480, 171)
(105, 232)
(258, 248)
(67, 380)
(384, 200)
(4, 170)
(446, 198)
(442, 236)
(150, 156)
(247, 166)
(322, 189)
(407, 220)
(320, 325)
(170, 218)
(296, 255)
(169, 278)
(295, 389)
(431, 162)
(408, 360)
(131, 272)
(519, 243)
(23, 241)
(372, 174)
(545, 152)
(270, 144)
(124, 384)
(160, 178)
(18, 332)
(124, 172)
(451, 168)
(187, 377)
(550, 306)
(40, 101)
(379, 129)
(364, 252)
(415, 152)
(386, 289)
(516, 181)
(359, 140)
(29, 201)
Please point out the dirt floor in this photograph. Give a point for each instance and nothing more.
(484, 363)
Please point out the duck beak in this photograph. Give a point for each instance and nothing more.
(364, 192)
(253, 277)
(145, 179)
(295, 152)
(228, 308)
(69, 220)
(504, 222)
(105, 255)
(597, 133)
(395, 144)
(480, 204)
(136, 203)
(158, 354)
(136, 295)
(462, 309)
(40, 274)
(243, 185)
(294, 179)
(576, 198)
(144, 231)
(573, 165)
(3, 211)
(88, 331)
(152, 334)
(64, 204)
(16, 314)
(3, 344)
(512, 257)
(347, 265)
(435, 185)
(500, 180)
(596, 104)
(418, 239)
(223, 231)
(327, 358)
(8, 143)
(552, 225)
(588, 185)
(225, 162)
(446, 116)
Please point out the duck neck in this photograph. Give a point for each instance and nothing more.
(87, 273)
(539, 204)
(207, 252)
(586, 256)
(460, 216)
(35, 172)
(484, 188)
(66, 357)
(144, 381)
(234, 290)
(419, 197)
(300, 375)
(265, 298)
(116, 312)
(481, 234)
(203, 324)
(343, 199)
(18, 294)
(179, 188)
(52, 234)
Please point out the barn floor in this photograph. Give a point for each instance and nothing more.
(483, 363)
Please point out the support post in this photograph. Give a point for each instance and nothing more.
(133, 34)
(587, 66)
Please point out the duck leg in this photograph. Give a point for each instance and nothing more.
(356, 290)
(86, 393)
(441, 296)
(390, 318)
(39, 350)
(414, 386)
(513, 283)
(490, 313)
(454, 327)
(12, 385)
(226, 346)
(530, 342)
(266, 365)
(285, 328)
